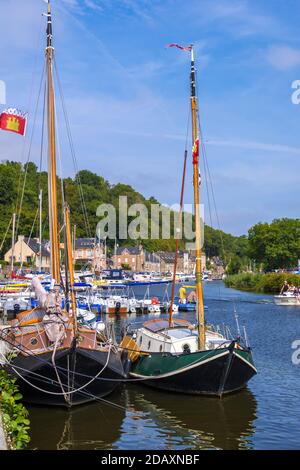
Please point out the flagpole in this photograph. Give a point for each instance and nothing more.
(13, 242)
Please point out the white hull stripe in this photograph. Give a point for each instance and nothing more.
(182, 369)
(247, 362)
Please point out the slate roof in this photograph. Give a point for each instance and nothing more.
(34, 245)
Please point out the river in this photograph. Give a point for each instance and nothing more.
(263, 416)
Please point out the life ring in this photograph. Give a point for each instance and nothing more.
(132, 309)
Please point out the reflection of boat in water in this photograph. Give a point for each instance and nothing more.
(200, 423)
(87, 427)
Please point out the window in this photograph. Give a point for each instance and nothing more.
(149, 344)
(133, 260)
(28, 259)
(126, 260)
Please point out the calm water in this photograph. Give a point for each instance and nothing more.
(263, 416)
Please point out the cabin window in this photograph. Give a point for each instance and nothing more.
(160, 348)
(33, 341)
(149, 344)
(140, 340)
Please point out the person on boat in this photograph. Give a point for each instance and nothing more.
(291, 289)
(182, 295)
(192, 297)
(284, 288)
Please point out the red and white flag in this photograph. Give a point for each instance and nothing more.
(13, 120)
(196, 152)
(183, 48)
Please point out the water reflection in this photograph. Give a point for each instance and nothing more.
(148, 419)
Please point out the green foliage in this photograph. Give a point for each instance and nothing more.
(235, 265)
(126, 266)
(96, 191)
(270, 283)
(15, 415)
(275, 245)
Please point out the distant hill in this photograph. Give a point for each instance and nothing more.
(95, 190)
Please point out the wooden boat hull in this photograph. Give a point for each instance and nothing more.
(76, 368)
(213, 372)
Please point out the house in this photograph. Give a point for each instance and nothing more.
(185, 262)
(27, 250)
(88, 251)
(151, 262)
(133, 257)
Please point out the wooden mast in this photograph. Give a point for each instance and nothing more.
(70, 264)
(196, 183)
(52, 190)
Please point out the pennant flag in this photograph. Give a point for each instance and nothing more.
(195, 152)
(13, 120)
(183, 48)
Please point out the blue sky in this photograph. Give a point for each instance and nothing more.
(128, 96)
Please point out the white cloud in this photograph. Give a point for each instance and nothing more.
(283, 57)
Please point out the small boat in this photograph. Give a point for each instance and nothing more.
(289, 299)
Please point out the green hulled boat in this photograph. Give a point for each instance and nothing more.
(175, 355)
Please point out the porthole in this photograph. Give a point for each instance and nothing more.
(33, 341)
(186, 348)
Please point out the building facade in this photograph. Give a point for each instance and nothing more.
(27, 250)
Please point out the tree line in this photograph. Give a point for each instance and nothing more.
(271, 246)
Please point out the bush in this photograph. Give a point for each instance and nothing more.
(15, 415)
(270, 283)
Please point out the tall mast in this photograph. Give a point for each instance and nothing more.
(13, 243)
(196, 183)
(52, 190)
(40, 237)
(69, 264)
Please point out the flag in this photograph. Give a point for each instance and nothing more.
(183, 48)
(195, 151)
(13, 120)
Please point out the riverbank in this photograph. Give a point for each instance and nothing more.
(270, 283)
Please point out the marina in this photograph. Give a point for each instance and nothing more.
(129, 323)
(160, 420)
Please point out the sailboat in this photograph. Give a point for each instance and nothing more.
(175, 355)
(55, 360)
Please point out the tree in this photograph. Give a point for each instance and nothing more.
(275, 245)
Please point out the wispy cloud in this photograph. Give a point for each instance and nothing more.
(283, 57)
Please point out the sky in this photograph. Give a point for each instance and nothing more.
(127, 96)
